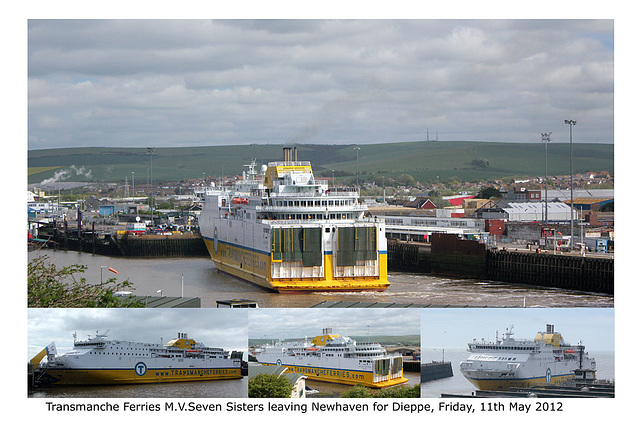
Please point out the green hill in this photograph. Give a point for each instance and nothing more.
(425, 161)
(413, 340)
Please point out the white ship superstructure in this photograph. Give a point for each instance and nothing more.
(98, 360)
(545, 360)
(336, 358)
(291, 232)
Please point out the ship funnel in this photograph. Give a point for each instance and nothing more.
(295, 154)
(327, 331)
(287, 154)
(549, 329)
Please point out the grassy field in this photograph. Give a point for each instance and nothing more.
(425, 161)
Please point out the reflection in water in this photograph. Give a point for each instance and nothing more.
(191, 389)
(202, 279)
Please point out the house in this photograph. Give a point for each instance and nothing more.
(523, 195)
(600, 219)
(420, 203)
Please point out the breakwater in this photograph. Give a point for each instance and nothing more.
(450, 256)
(435, 371)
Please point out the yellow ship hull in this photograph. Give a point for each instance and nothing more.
(497, 385)
(128, 376)
(255, 267)
(342, 376)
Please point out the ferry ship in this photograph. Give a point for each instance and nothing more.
(290, 232)
(98, 361)
(335, 358)
(545, 360)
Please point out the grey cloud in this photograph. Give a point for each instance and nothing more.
(312, 81)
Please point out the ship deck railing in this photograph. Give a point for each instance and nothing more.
(356, 207)
(289, 163)
(319, 221)
(333, 192)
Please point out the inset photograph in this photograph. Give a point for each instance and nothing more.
(334, 353)
(153, 353)
(527, 352)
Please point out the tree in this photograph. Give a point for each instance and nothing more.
(488, 192)
(267, 385)
(480, 163)
(48, 286)
(607, 207)
(405, 179)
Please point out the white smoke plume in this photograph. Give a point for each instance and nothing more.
(64, 174)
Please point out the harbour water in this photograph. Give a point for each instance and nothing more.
(191, 389)
(198, 277)
(459, 385)
(327, 389)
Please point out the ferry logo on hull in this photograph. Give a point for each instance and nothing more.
(215, 239)
(140, 369)
(548, 375)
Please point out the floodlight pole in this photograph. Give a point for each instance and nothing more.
(546, 138)
(357, 171)
(150, 152)
(571, 123)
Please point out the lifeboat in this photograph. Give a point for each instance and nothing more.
(240, 201)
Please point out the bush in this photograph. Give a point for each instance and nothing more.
(357, 391)
(267, 385)
(398, 392)
(48, 286)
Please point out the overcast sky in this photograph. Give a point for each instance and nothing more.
(138, 83)
(297, 323)
(454, 328)
(212, 327)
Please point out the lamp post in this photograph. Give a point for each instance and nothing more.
(546, 138)
(571, 123)
(357, 172)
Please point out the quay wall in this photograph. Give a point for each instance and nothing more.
(174, 245)
(585, 274)
(411, 365)
(446, 257)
